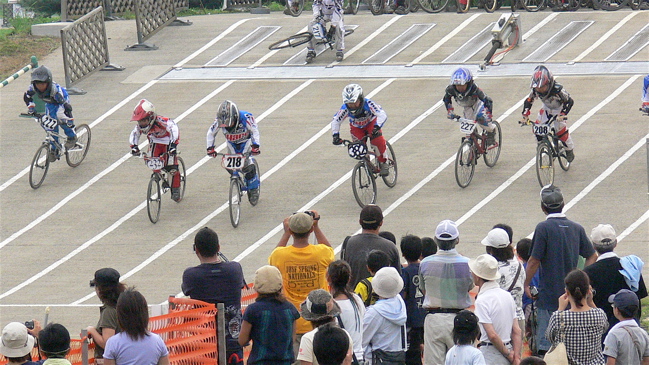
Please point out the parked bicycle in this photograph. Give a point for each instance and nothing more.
(160, 182)
(474, 144)
(548, 148)
(52, 149)
(367, 169)
(236, 165)
(322, 37)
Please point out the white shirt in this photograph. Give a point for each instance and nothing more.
(306, 347)
(353, 322)
(496, 307)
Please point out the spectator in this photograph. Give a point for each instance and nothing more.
(429, 247)
(412, 296)
(556, 246)
(17, 344)
(626, 342)
(108, 289)
(217, 280)
(54, 343)
(384, 331)
(303, 265)
(352, 310)
(609, 273)
(523, 249)
(512, 274)
(580, 328)
(320, 309)
(330, 345)
(135, 345)
(358, 246)
(501, 338)
(445, 280)
(388, 236)
(532, 360)
(270, 321)
(376, 260)
(465, 332)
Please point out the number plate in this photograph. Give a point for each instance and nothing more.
(154, 163)
(541, 129)
(467, 126)
(233, 162)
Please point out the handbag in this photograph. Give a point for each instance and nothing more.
(381, 357)
(558, 355)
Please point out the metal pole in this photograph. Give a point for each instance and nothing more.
(220, 333)
(84, 346)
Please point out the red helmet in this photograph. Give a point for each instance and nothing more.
(144, 115)
(541, 77)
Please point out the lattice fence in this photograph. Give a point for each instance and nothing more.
(233, 4)
(8, 14)
(151, 16)
(78, 8)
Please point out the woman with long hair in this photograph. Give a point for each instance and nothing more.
(108, 289)
(581, 327)
(135, 345)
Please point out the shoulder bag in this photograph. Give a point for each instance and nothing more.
(558, 355)
(381, 357)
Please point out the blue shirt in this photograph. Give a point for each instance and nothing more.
(413, 297)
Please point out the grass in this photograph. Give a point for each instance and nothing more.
(644, 321)
(17, 45)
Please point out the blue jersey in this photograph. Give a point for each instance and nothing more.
(56, 98)
(246, 129)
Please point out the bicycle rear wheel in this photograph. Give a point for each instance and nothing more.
(533, 5)
(391, 179)
(465, 164)
(183, 178)
(433, 6)
(363, 185)
(544, 164)
(561, 156)
(351, 6)
(75, 155)
(493, 152)
(292, 41)
(154, 198)
(234, 201)
(376, 6)
(40, 165)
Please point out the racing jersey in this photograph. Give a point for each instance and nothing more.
(467, 98)
(163, 130)
(327, 8)
(556, 99)
(57, 101)
(371, 112)
(245, 129)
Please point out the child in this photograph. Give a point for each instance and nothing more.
(54, 343)
(626, 342)
(376, 260)
(411, 250)
(429, 247)
(465, 332)
(645, 92)
(523, 249)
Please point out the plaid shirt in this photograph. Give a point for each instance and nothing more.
(582, 332)
(446, 280)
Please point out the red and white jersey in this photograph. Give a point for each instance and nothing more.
(163, 130)
(370, 112)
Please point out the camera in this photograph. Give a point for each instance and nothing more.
(29, 325)
(534, 291)
(312, 214)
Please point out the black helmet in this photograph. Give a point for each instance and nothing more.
(227, 114)
(42, 74)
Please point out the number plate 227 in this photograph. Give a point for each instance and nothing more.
(467, 127)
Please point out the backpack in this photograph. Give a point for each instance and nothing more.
(372, 297)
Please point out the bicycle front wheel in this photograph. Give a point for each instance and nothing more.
(234, 201)
(391, 179)
(363, 185)
(433, 6)
(544, 164)
(493, 151)
(183, 178)
(39, 167)
(464, 5)
(533, 5)
(376, 6)
(292, 41)
(154, 198)
(75, 155)
(465, 164)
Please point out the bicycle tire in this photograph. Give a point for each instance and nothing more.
(154, 198)
(490, 5)
(295, 10)
(234, 201)
(544, 164)
(77, 154)
(391, 179)
(493, 152)
(351, 6)
(413, 6)
(292, 41)
(533, 6)
(183, 178)
(363, 185)
(465, 164)
(376, 6)
(561, 156)
(569, 5)
(40, 165)
(463, 8)
(433, 6)
(254, 202)
(610, 5)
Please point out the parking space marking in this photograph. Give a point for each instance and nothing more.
(405, 39)
(471, 47)
(634, 45)
(604, 37)
(558, 41)
(242, 46)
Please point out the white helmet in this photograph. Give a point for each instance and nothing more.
(352, 93)
(144, 114)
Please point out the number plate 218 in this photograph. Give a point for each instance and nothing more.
(233, 162)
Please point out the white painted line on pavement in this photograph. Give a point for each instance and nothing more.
(603, 38)
(539, 25)
(633, 226)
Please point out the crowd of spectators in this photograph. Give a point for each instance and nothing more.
(561, 288)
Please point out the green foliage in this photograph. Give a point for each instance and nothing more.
(24, 25)
(44, 8)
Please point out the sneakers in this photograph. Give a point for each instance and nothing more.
(253, 196)
(175, 194)
(385, 169)
(570, 155)
(310, 56)
(401, 11)
(339, 56)
(491, 138)
(51, 156)
(71, 142)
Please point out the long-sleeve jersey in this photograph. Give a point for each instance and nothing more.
(327, 8)
(245, 129)
(163, 130)
(372, 112)
(556, 98)
(57, 101)
(467, 98)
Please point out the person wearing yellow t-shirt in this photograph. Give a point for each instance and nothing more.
(376, 260)
(303, 265)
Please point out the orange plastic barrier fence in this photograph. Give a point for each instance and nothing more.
(74, 356)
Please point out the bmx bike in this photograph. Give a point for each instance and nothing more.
(304, 37)
(161, 181)
(474, 144)
(549, 147)
(236, 164)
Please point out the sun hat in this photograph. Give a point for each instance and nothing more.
(447, 230)
(300, 223)
(318, 305)
(551, 197)
(387, 283)
(16, 341)
(497, 238)
(105, 276)
(603, 235)
(485, 267)
(268, 280)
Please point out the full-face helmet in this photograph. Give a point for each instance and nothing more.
(352, 94)
(42, 74)
(542, 77)
(461, 76)
(144, 114)
(227, 114)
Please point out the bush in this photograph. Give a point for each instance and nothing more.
(44, 8)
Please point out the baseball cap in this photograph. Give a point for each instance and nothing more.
(300, 223)
(497, 238)
(105, 276)
(268, 280)
(625, 299)
(16, 342)
(446, 230)
(603, 235)
(371, 214)
(551, 197)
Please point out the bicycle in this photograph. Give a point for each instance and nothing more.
(235, 164)
(304, 37)
(473, 146)
(367, 168)
(295, 7)
(160, 182)
(52, 147)
(436, 6)
(351, 6)
(547, 149)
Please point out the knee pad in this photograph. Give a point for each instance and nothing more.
(249, 171)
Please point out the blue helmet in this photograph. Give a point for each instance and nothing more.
(461, 76)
